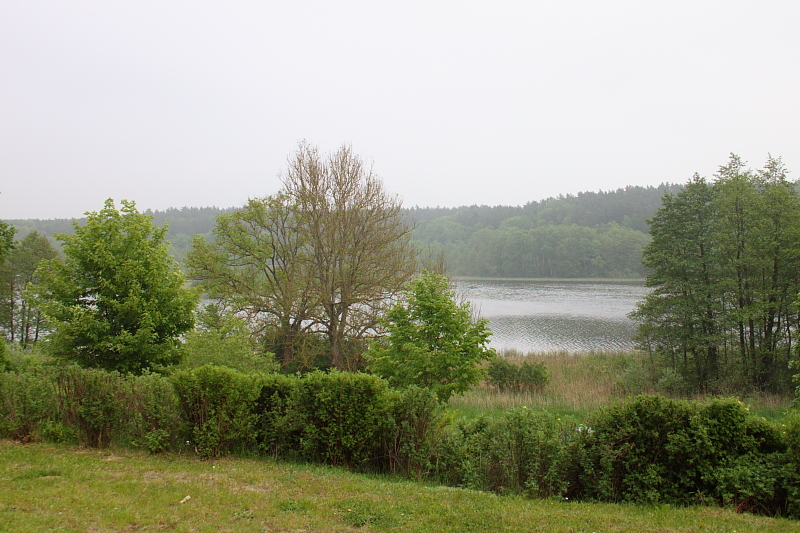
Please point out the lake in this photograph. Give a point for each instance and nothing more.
(555, 315)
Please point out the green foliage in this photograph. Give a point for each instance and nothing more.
(92, 403)
(20, 321)
(344, 417)
(5, 361)
(222, 339)
(218, 404)
(7, 232)
(723, 267)
(154, 412)
(653, 450)
(117, 299)
(419, 425)
(26, 401)
(278, 429)
(520, 452)
(432, 341)
(509, 377)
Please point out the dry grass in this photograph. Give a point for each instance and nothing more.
(583, 382)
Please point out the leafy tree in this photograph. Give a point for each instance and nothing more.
(19, 319)
(254, 267)
(7, 232)
(322, 257)
(116, 301)
(432, 341)
(723, 267)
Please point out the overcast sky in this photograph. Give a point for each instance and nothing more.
(199, 103)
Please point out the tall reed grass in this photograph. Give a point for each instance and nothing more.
(581, 382)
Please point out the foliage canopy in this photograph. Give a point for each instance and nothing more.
(723, 266)
(433, 341)
(116, 301)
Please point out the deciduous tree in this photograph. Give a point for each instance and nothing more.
(432, 341)
(360, 250)
(117, 299)
(21, 321)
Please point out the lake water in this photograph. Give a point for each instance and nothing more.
(555, 315)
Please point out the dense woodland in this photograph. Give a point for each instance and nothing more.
(588, 235)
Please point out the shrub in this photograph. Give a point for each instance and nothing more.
(519, 452)
(5, 362)
(508, 377)
(344, 417)
(155, 416)
(419, 422)
(790, 473)
(218, 404)
(91, 404)
(650, 449)
(278, 427)
(26, 400)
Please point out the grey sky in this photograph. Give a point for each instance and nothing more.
(200, 103)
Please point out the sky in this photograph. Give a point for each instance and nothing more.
(201, 103)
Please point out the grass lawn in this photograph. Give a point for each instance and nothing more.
(47, 487)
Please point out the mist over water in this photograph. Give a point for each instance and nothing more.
(555, 315)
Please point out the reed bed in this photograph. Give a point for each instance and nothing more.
(581, 382)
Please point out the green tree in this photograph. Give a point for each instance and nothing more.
(7, 232)
(680, 318)
(723, 266)
(358, 246)
(254, 267)
(432, 340)
(117, 299)
(19, 320)
(320, 259)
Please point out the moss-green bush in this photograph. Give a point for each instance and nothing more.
(154, 412)
(218, 404)
(509, 377)
(26, 401)
(344, 417)
(278, 427)
(650, 449)
(92, 402)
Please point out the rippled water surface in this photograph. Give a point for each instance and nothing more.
(546, 316)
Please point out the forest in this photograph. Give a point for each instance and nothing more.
(588, 235)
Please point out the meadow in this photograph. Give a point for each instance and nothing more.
(49, 486)
(63, 488)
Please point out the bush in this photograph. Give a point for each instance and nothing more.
(91, 404)
(5, 362)
(218, 404)
(790, 473)
(519, 452)
(155, 416)
(508, 377)
(419, 422)
(650, 449)
(26, 400)
(278, 426)
(344, 417)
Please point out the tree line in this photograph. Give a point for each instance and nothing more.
(588, 235)
(723, 265)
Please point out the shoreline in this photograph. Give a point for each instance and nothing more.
(555, 280)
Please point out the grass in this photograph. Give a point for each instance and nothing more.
(583, 382)
(48, 487)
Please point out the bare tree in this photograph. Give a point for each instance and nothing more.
(359, 247)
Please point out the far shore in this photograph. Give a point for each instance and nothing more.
(560, 280)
